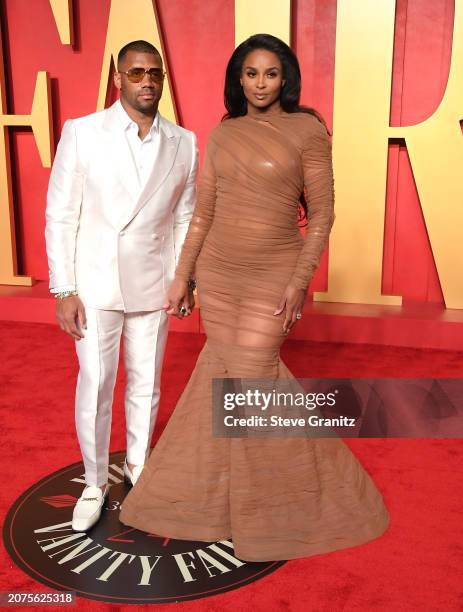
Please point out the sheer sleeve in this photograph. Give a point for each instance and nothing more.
(319, 186)
(202, 218)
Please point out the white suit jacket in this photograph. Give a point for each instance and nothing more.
(119, 247)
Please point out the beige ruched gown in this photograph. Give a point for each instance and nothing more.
(277, 498)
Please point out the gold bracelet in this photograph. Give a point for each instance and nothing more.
(64, 294)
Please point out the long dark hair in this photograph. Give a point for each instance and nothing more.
(235, 100)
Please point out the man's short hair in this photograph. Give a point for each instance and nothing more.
(142, 46)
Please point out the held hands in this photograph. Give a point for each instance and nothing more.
(70, 313)
(292, 302)
(178, 296)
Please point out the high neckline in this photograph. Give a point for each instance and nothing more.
(272, 112)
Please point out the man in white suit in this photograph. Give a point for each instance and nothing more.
(120, 198)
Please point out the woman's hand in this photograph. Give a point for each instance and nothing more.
(189, 302)
(179, 296)
(292, 302)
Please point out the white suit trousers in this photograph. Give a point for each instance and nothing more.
(144, 339)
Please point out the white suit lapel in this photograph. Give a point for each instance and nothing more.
(120, 154)
(168, 145)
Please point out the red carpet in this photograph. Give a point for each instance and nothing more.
(416, 565)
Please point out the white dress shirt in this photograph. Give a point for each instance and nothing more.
(144, 153)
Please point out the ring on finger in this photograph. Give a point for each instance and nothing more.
(183, 310)
(298, 316)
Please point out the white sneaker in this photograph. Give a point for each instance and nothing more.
(131, 477)
(87, 510)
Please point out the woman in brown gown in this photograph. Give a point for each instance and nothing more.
(277, 498)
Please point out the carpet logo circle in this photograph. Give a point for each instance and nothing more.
(113, 562)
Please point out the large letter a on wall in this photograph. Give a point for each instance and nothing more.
(134, 20)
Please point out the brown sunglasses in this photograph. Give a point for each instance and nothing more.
(136, 75)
